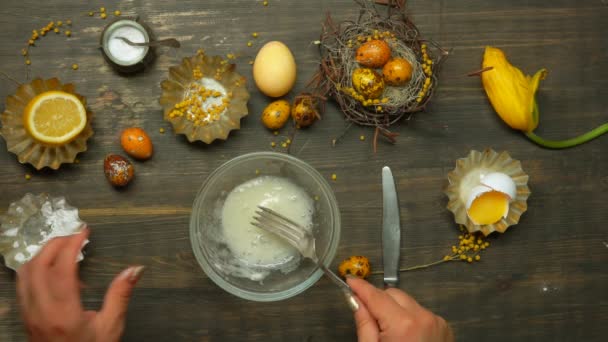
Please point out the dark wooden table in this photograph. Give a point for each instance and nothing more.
(544, 280)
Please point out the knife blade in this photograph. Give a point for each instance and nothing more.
(391, 229)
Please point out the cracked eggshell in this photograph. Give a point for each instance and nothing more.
(500, 182)
(476, 192)
(488, 169)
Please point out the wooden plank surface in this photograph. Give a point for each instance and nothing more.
(545, 280)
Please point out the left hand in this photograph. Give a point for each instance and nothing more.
(49, 294)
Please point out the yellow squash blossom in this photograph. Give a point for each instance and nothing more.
(511, 93)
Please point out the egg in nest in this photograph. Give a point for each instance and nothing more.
(368, 83)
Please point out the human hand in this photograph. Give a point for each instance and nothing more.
(49, 294)
(392, 315)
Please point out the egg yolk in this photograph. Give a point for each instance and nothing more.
(488, 208)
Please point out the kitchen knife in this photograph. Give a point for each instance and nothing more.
(391, 229)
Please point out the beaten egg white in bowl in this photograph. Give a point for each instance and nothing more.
(245, 260)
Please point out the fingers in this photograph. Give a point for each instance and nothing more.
(66, 261)
(116, 300)
(50, 251)
(367, 328)
(23, 294)
(39, 270)
(380, 305)
(403, 299)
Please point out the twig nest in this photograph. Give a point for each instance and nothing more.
(30, 150)
(487, 191)
(350, 48)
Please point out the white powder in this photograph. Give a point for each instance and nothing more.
(11, 232)
(122, 51)
(19, 257)
(62, 221)
(32, 249)
(52, 223)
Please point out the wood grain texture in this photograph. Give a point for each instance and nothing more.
(545, 280)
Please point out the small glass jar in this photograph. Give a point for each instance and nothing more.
(123, 57)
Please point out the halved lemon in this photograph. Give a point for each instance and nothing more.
(55, 117)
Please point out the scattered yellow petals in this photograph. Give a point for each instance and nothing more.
(28, 176)
(161, 130)
(334, 177)
(75, 66)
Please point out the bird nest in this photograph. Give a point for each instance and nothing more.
(338, 44)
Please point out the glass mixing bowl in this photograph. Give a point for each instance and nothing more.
(215, 257)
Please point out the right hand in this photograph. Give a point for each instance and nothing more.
(392, 315)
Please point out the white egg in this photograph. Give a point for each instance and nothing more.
(274, 69)
(500, 182)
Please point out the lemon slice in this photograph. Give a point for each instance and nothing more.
(55, 117)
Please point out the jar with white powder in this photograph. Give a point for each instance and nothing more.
(119, 54)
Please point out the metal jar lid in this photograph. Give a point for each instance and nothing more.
(121, 65)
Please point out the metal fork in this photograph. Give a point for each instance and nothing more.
(300, 238)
